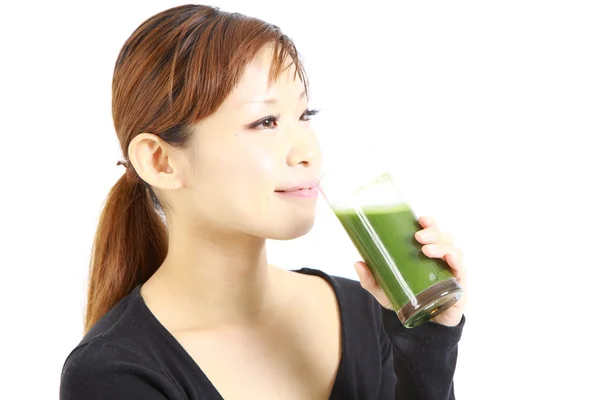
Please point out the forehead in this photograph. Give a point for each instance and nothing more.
(254, 84)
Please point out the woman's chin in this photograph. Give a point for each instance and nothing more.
(288, 230)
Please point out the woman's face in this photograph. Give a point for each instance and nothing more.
(256, 145)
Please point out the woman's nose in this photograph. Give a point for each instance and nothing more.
(304, 149)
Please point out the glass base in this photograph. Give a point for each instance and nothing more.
(430, 302)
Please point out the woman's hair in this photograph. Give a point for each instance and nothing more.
(174, 70)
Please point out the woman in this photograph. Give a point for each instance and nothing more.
(211, 112)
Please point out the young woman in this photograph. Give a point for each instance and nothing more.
(211, 110)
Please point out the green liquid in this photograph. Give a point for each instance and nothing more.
(385, 238)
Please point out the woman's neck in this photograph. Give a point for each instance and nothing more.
(206, 282)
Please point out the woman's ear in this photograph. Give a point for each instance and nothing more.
(157, 163)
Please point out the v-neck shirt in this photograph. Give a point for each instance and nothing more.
(129, 354)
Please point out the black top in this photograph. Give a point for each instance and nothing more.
(129, 355)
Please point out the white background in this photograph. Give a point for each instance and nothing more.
(493, 112)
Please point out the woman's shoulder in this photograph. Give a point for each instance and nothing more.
(116, 337)
(351, 296)
(121, 324)
(359, 312)
(342, 285)
(101, 368)
(108, 336)
(100, 353)
(114, 355)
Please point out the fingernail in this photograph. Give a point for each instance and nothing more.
(422, 235)
(432, 250)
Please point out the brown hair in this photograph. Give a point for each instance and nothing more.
(174, 70)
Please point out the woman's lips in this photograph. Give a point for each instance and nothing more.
(302, 193)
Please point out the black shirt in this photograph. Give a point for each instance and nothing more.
(129, 355)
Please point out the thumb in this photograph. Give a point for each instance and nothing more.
(365, 276)
(368, 282)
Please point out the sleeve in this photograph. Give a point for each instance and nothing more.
(107, 371)
(418, 363)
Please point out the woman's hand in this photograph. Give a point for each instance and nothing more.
(437, 244)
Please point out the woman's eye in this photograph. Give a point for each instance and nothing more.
(308, 114)
(269, 123)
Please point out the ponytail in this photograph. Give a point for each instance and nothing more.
(130, 245)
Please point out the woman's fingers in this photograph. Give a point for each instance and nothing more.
(427, 221)
(433, 235)
(368, 282)
(450, 254)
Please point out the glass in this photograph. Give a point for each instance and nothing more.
(381, 224)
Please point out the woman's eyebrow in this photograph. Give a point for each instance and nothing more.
(272, 100)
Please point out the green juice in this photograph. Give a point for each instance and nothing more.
(385, 238)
